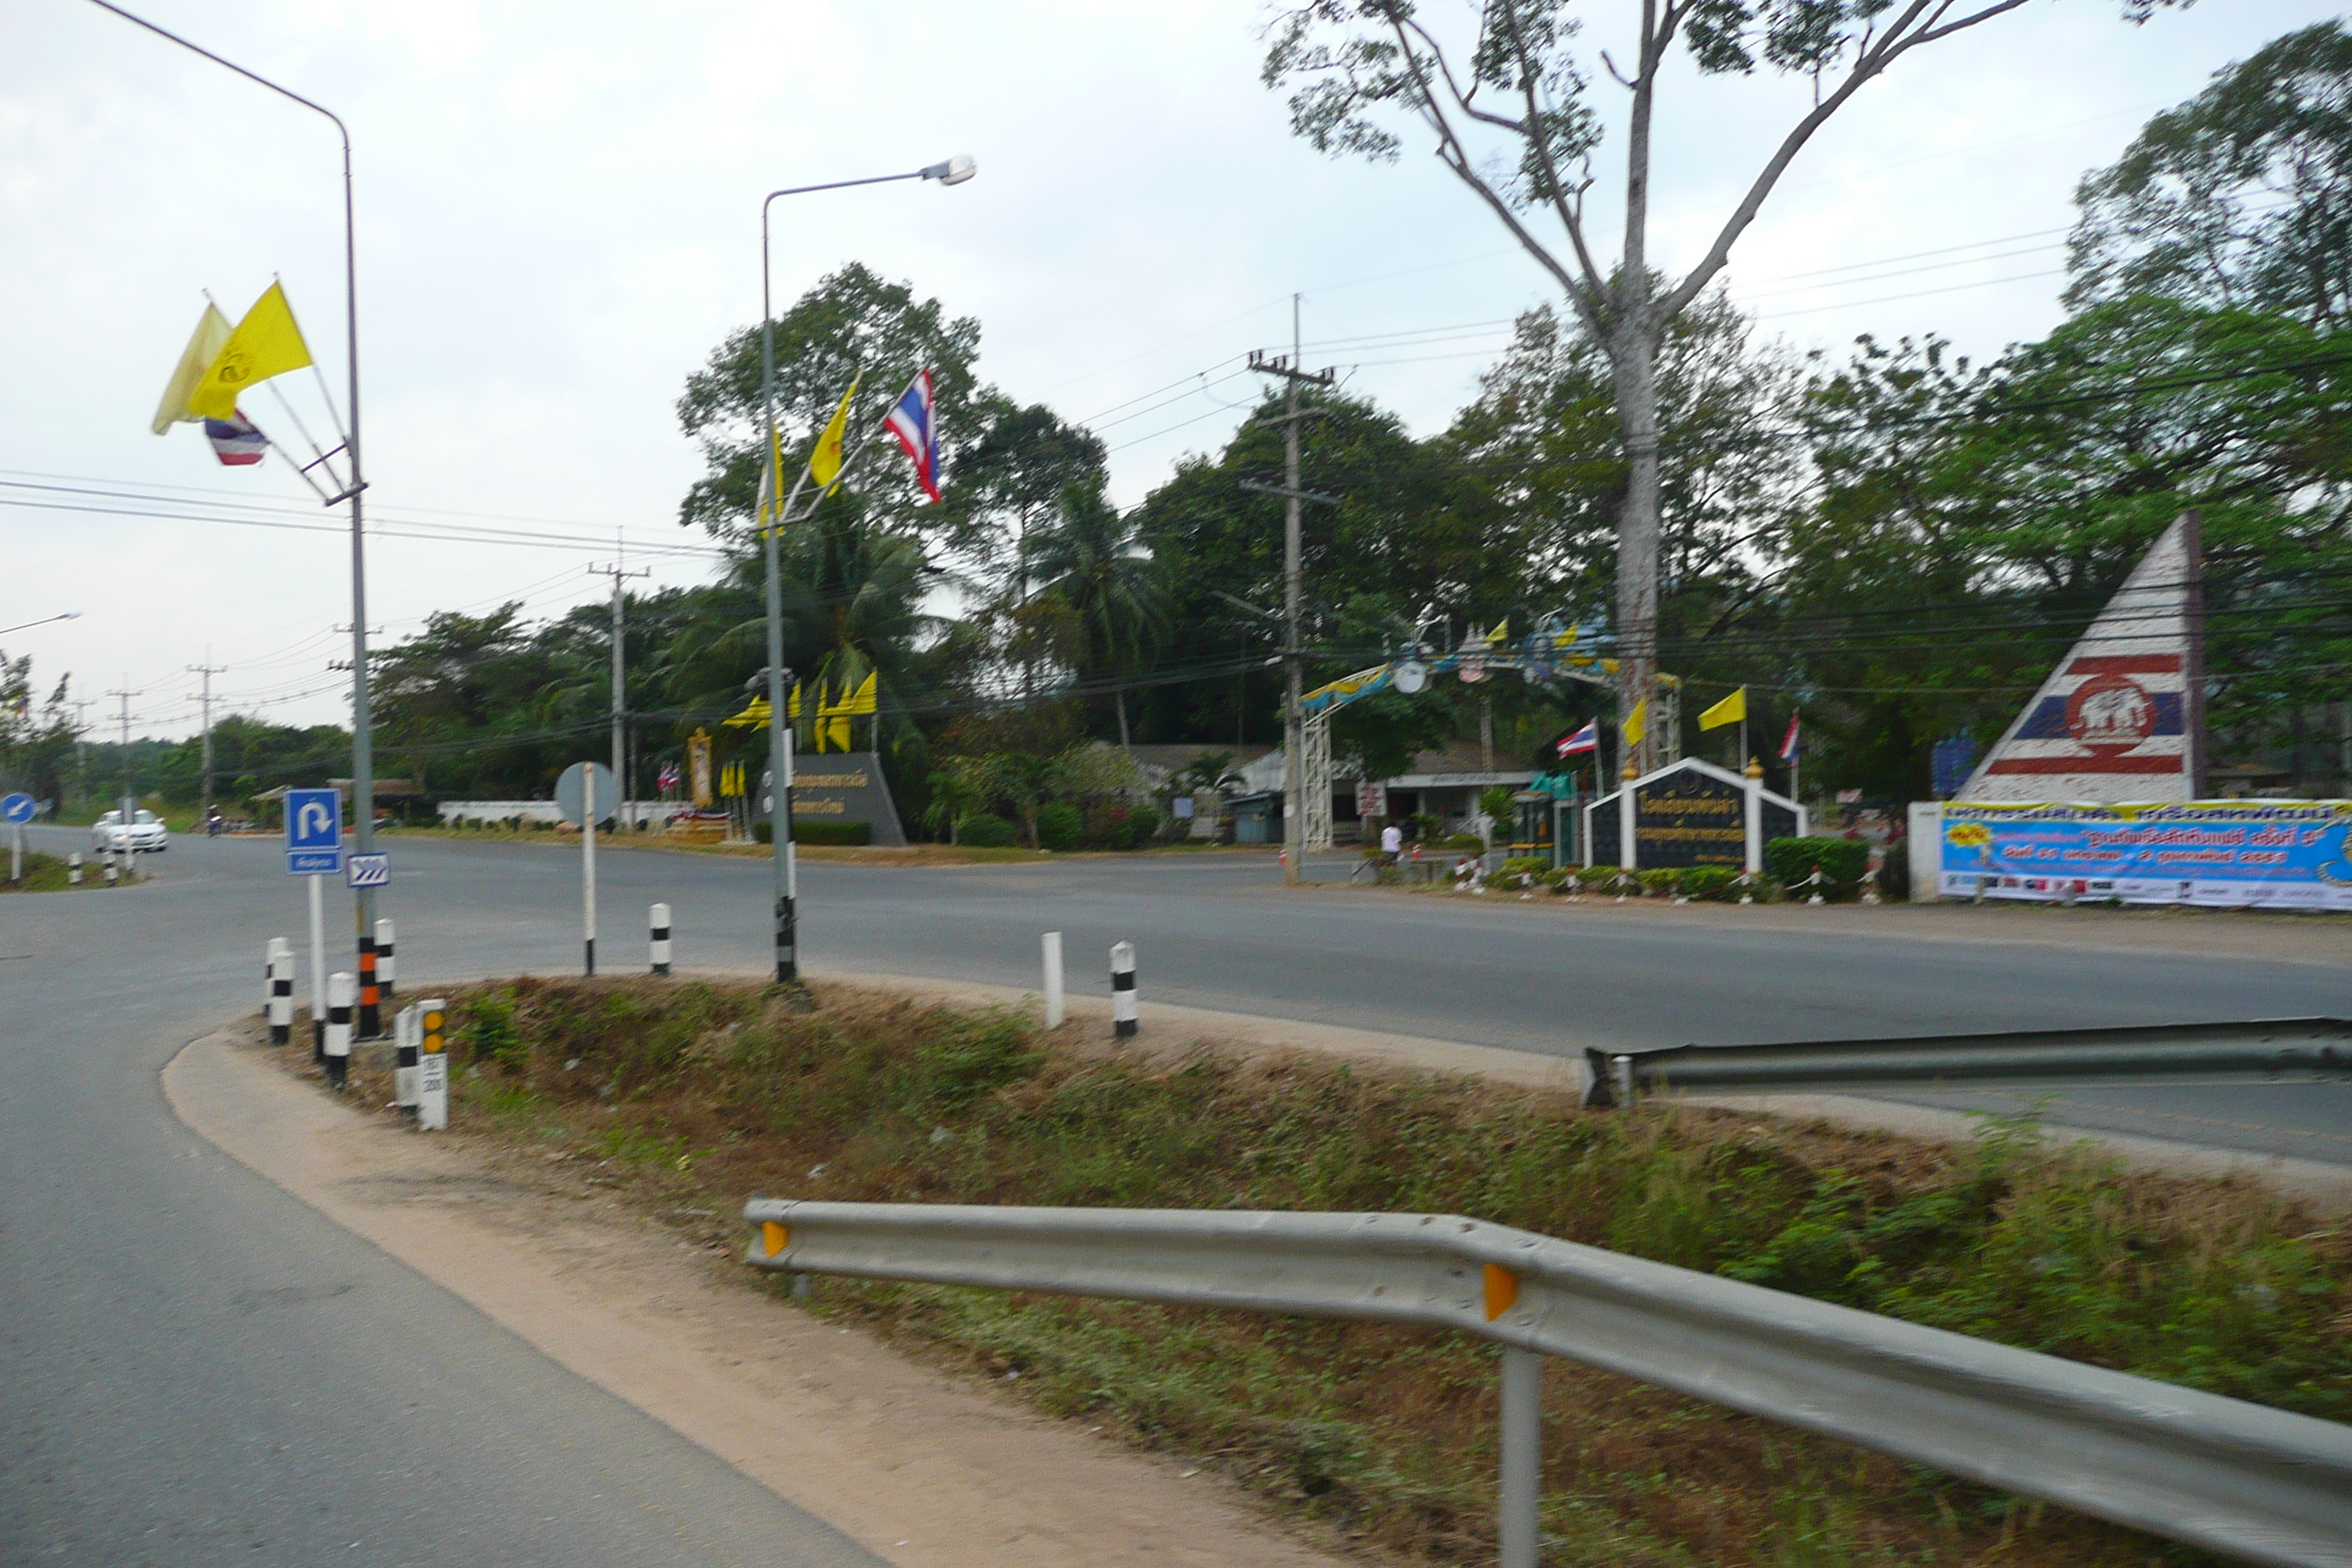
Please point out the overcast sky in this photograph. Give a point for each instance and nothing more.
(558, 218)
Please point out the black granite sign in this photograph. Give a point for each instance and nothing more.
(846, 787)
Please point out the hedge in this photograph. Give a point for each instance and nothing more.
(818, 832)
(1842, 861)
(984, 833)
(1058, 826)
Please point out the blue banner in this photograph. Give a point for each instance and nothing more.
(2283, 854)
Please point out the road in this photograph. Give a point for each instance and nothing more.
(198, 1369)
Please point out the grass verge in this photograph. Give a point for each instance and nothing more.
(708, 1093)
(47, 873)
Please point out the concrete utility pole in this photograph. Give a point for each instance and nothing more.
(205, 812)
(1294, 740)
(130, 801)
(620, 687)
(82, 747)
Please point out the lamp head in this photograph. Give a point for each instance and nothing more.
(954, 172)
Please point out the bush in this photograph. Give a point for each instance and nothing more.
(1467, 842)
(984, 832)
(1058, 826)
(1842, 861)
(1119, 826)
(764, 832)
(1596, 876)
(1662, 880)
(1142, 827)
(831, 832)
(1708, 881)
(1528, 866)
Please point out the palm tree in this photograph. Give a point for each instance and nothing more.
(1092, 559)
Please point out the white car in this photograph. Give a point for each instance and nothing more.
(145, 833)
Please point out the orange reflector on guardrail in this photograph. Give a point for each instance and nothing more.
(774, 1238)
(1502, 1291)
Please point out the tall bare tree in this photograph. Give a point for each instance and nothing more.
(1515, 79)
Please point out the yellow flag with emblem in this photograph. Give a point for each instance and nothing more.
(266, 343)
(211, 336)
(1637, 722)
(825, 463)
(1732, 710)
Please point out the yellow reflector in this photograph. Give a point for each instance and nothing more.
(1502, 1292)
(773, 1236)
(432, 1044)
(433, 1021)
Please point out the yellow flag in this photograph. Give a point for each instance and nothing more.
(266, 343)
(1732, 710)
(861, 704)
(825, 463)
(1637, 722)
(205, 345)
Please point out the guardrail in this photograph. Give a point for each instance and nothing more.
(2265, 1050)
(2239, 1479)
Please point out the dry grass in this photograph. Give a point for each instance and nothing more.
(706, 1094)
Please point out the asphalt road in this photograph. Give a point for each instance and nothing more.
(194, 1368)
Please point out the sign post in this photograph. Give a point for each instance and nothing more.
(577, 791)
(314, 848)
(17, 810)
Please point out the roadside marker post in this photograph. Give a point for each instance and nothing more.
(408, 1045)
(341, 989)
(281, 993)
(1056, 1010)
(73, 869)
(385, 972)
(433, 1065)
(1122, 992)
(369, 1019)
(657, 937)
(113, 872)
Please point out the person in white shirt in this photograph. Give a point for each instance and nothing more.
(1391, 841)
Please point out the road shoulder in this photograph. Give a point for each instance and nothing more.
(922, 1472)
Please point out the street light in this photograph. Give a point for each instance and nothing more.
(954, 171)
(46, 620)
(362, 729)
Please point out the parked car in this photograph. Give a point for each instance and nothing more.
(146, 834)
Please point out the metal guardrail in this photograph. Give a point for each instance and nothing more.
(2239, 1479)
(2265, 1050)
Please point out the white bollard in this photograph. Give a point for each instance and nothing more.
(433, 1065)
(1123, 1021)
(343, 990)
(407, 1043)
(279, 963)
(73, 869)
(658, 937)
(1054, 1009)
(384, 963)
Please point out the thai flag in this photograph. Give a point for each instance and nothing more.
(1788, 744)
(235, 442)
(910, 421)
(1585, 740)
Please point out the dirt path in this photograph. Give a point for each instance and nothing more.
(925, 1471)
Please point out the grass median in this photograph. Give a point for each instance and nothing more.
(704, 1094)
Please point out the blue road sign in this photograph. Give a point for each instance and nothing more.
(368, 870)
(17, 808)
(314, 832)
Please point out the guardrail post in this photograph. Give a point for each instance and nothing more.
(341, 988)
(73, 869)
(385, 970)
(1055, 1006)
(1522, 1490)
(1122, 992)
(658, 937)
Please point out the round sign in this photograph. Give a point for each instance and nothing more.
(1411, 676)
(2110, 713)
(571, 789)
(17, 808)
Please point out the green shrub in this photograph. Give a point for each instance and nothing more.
(1596, 876)
(1528, 866)
(1661, 880)
(1790, 861)
(491, 1032)
(1469, 843)
(1142, 827)
(1058, 826)
(1119, 826)
(1709, 881)
(984, 832)
(1557, 876)
(764, 832)
(831, 832)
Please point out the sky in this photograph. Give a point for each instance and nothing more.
(558, 219)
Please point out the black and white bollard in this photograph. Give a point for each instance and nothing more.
(113, 871)
(407, 1044)
(73, 869)
(1122, 991)
(342, 990)
(657, 931)
(280, 965)
(433, 1065)
(383, 964)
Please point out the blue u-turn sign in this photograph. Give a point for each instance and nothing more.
(314, 832)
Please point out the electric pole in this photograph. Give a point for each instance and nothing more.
(81, 747)
(205, 812)
(130, 801)
(620, 683)
(1293, 813)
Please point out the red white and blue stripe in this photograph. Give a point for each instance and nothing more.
(1585, 740)
(1788, 743)
(235, 442)
(910, 420)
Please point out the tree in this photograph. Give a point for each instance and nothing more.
(1519, 80)
(1093, 560)
(1009, 484)
(35, 745)
(2241, 197)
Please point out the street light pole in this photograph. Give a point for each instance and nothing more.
(45, 620)
(785, 865)
(362, 731)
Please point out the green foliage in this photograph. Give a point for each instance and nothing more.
(1708, 882)
(1841, 861)
(1529, 867)
(984, 832)
(1058, 826)
(837, 833)
(1660, 881)
(489, 1034)
(1495, 802)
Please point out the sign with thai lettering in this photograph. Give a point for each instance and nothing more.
(847, 786)
(2284, 854)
